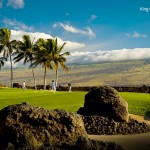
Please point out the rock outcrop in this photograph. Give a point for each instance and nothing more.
(105, 101)
(26, 127)
(23, 125)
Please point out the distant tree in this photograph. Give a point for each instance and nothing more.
(58, 57)
(8, 47)
(26, 52)
(43, 56)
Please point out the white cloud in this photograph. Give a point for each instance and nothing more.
(17, 35)
(36, 35)
(16, 3)
(135, 34)
(55, 25)
(1, 3)
(17, 25)
(71, 28)
(127, 34)
(109, 55)
(92, 18)
(88, 32)
(74, 45)
(7, 64)
(67, 14)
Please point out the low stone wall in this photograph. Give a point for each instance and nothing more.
(141, 89)
(138, 89)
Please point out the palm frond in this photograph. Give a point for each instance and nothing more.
(61, 47)
(2, 61)
(65, 54)
(19, 57)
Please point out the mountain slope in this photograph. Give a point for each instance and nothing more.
(108, 73)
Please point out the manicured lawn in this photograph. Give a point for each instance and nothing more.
(69, 101)
(139, 103)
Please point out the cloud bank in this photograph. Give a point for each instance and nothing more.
(17, 35)
(86, 57)
(109, 55)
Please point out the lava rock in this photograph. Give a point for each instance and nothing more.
(105, 101)
(23, 125)
(99, 125)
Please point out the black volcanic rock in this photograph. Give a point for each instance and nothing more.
(99, 125)
(23, 125)
(105, 101)
(26, 127)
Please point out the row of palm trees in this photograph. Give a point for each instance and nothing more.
(44, 52)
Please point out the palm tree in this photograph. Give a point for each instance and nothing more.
(43, 56)
(7, 46)
(26, 52)
(59, 57)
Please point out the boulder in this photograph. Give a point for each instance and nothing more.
(105, 101)
(23, 125)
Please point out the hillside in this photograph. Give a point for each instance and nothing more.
(108, 73)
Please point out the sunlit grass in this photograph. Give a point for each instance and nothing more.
(69, 101)
(139, 103)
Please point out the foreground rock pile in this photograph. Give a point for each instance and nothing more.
(105, 101)
(102, 125)
(29, 127)
(83, 144)
(105, 112)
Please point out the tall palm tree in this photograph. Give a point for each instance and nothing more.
(43, 56)
(59, 57)
(26, 52)
(7, 46)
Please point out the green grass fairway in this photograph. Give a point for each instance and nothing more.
(139, 103)
(69, 101)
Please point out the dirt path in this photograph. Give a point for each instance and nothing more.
(141, 118)
(129, 142)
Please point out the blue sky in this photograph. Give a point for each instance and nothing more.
(95, 29)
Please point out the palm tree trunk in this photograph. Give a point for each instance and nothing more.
(56, 78)
(11, 72)
(34, 79)
(45, 79)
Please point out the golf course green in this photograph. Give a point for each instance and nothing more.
(139, 103)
